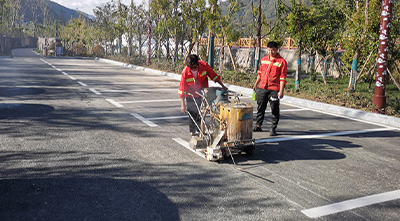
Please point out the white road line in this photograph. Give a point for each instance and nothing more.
(284, 110)
(302, 137)
(168, 118)
(140, 90)
(149, 101)
(343, 116)
(82, 84)
(351, 204)
(144, 120)
(58, 69)
(72, 78)
(186, 145)
(64, 73)
(94, 91)
(114, 103)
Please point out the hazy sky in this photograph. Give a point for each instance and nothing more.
(87, 6)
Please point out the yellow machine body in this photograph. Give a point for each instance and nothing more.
(238, 120)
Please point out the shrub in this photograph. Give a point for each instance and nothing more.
(98, 51)
(79, 49)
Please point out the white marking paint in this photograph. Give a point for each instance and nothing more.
(168, 118)
(140, 90)
(149, 101)
(302, 137)
(94, 91)
(342, 116)
(58, 69)
(82, 84)
(72, 78)
(114, 103)
(186, 145)
(144, 120)
(351, 204)
(64, 73)
(285, 110)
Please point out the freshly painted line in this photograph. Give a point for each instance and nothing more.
(284, 110)
(144, 120)
(94, 91)
(351, 204)
(303, 137)
(82, 84)
(58, 69)
(114, 103)
(186, 145)
(149, 101)
(168, 118)
(53, 66)
(72, 78)
(64, 73)
(141, 90)
(342, 116)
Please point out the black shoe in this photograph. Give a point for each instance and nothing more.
(272, 132)
(257, 129)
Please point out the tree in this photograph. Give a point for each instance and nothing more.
(295, 22)
(324, 27)
(361, 35)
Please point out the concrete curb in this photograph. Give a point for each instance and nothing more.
(313, 105)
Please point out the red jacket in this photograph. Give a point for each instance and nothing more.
(272, 72)
(190, 85)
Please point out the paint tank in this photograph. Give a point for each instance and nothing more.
(238, 120)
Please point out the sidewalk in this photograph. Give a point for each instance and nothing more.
(312, 105)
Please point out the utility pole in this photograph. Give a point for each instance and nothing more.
(379, 99)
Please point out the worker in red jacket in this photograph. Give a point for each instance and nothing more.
(194, 78)
(270, 85)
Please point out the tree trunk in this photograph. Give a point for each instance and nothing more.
(233, 60)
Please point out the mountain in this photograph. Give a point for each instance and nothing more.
(56, 12)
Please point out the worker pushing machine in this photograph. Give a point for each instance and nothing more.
(228, 126)
(194, 78)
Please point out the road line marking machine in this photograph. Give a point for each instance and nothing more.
(226, 126)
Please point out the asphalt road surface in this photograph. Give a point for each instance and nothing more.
(86, 140)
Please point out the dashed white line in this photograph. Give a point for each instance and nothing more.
(168, 118)
(114, 103)
(149, 101)
(144, 120)
(82, 84)
(72, 78)
(94, 91)
(351, 204)
(64, 73)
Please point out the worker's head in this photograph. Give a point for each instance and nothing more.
(272, 48)
(192, 61)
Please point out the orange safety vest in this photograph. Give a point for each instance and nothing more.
(190, 85)
(272, 72)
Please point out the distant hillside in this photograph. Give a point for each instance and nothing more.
(56, 12)
(243, 18)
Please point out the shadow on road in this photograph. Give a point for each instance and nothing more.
(83, 199)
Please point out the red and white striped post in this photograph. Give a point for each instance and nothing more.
(379, 99)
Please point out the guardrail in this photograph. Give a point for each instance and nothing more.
(251, 42)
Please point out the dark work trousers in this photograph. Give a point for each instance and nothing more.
(263, 97)
(194, 112)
